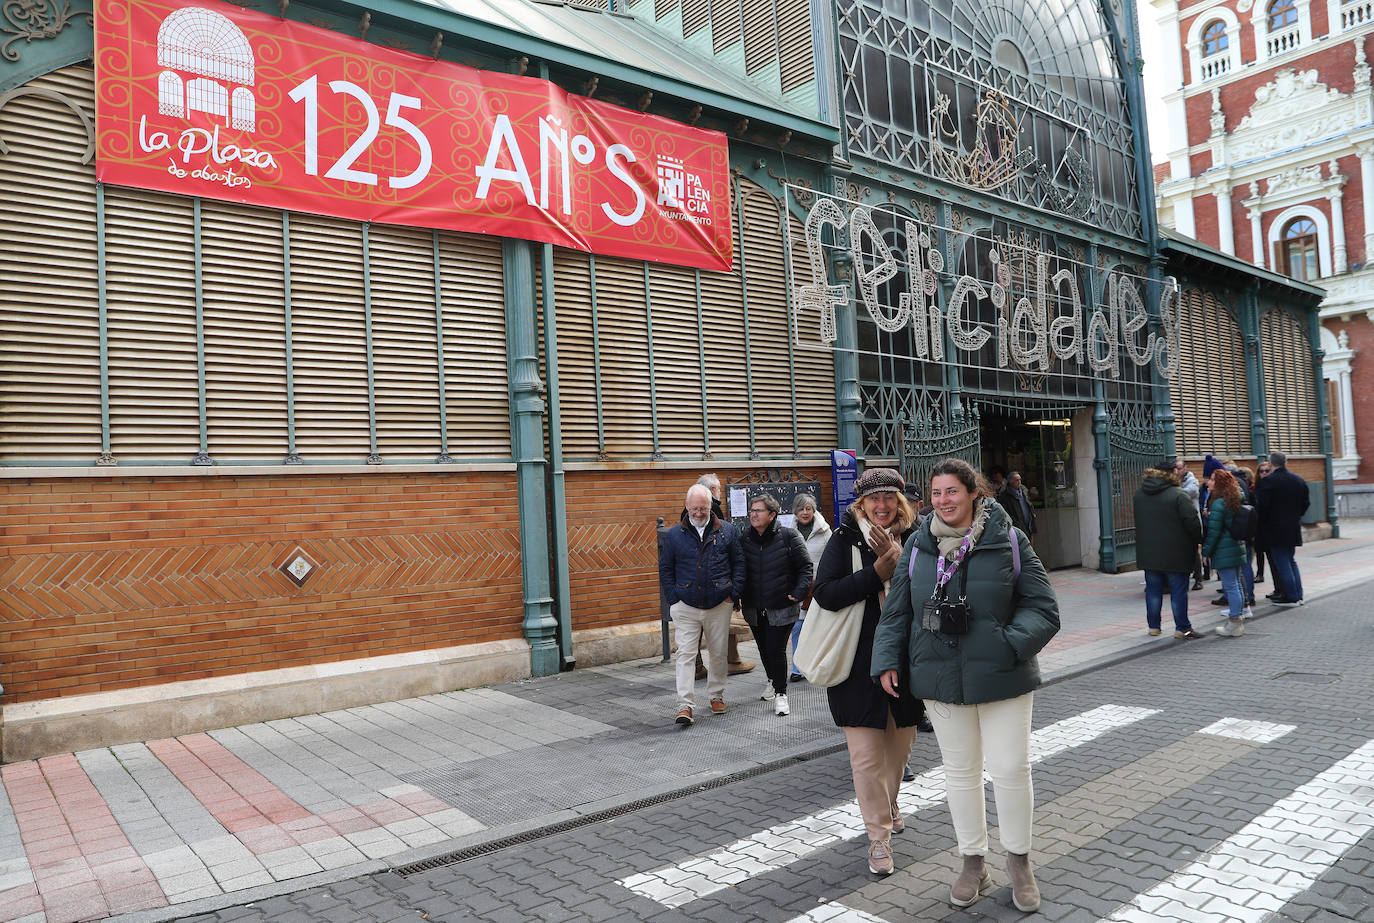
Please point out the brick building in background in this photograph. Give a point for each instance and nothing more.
(1271, 123)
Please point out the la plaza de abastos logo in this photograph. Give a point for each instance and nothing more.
(208, 68)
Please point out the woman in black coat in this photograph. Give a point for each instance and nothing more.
(878, 728)
(777, 577)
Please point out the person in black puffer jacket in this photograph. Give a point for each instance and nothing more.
(777, 577)
(878, 728)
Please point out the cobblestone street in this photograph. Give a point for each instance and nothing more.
(1215, 780)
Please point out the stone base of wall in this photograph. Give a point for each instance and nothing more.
(1355, 501)
(29, 730)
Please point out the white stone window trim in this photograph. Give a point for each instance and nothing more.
(1336, 366)
(1318, 218)
(1259, 21)
(1232, 53)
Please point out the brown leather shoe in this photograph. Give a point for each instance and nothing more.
(740, 666)
(684, 716)
(717, 706)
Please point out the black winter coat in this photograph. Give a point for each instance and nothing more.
(1281, 499)
(776, 565)
(701, 571)
(858, 701)
(1167, 531)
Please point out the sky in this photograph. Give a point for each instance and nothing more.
(1151, 52)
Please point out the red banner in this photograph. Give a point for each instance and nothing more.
(217, 101)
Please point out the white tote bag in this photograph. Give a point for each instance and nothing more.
(829, 640)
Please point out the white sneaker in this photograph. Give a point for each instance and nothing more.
(780, 705)
(1248, 613)
(767, 694)
(1231, 628)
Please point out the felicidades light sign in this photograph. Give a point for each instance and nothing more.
(213, 100)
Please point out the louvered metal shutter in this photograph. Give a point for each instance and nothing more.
(328, 334)
(797, 54)
(726, 28)
(664, 7)
(49, 300)
(696, 15)
(1289, 391)
(677, 365)
(817, 411)
(572, 277)
(760, 35)
(242, 276)
(770, 348)
(623, 334)
(151, 310)
(404, 343)
(727, 361)
(1210, 396)
(476, 396)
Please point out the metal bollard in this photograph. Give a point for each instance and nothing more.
(663, 616)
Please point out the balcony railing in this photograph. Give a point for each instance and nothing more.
(1356, 13)
(1285, 39)
(1220, 64)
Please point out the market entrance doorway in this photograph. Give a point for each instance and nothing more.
(1038, 446)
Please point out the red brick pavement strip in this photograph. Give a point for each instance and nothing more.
(83, 865)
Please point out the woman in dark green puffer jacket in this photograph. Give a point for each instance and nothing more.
(1226, 554)
(978, 685)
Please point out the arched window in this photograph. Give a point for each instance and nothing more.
(1009, 56)
(1282, 13)
(1298, 250)
(1214, 38)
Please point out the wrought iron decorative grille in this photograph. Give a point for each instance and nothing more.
(1136, 444)
(1024, 99)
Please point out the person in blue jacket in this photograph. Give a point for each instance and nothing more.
(701, 576)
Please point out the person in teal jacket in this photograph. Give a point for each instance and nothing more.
(1225, 552)
(977, 684)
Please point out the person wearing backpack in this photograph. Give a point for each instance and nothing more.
(1224, 551)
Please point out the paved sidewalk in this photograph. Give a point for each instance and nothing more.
(179, 826)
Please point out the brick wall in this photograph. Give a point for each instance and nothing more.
(612, 550)
(110, 583)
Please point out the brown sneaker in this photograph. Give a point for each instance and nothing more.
(740, 666)
(684, 716)
(717, 706)
(880, 857)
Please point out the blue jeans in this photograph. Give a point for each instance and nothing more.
(1177, 584)
(1286, 571)
(1248, 573)
(1231, 585)
(796, 633)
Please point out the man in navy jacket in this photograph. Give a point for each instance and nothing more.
(701, 574)
(1281, 499)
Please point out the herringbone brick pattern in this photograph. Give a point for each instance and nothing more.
(57, 585)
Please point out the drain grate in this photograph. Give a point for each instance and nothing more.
(563, 826)
(1319, 679)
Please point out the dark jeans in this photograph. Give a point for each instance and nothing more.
(1176, 582)
(1287, 579)
(772, 642)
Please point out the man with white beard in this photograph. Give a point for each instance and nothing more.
(701, 572)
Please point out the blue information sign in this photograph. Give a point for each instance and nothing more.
(844, 470)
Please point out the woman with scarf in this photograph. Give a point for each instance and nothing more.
(960, 629)
(816, 532)
(878, 728)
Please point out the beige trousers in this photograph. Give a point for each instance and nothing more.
(995, 735)
(876, 759)
(694, 629)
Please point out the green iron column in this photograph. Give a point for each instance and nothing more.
(1314, 335)
(848, 402)
(1102, 442)
(527, 447)
(558, 503)
(1254, 369)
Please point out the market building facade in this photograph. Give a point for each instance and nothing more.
(271, 460)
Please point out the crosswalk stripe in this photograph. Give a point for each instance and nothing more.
(1277, 856)
(785, 843)
(836, 913)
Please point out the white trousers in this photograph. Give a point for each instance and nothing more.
(996, 735)
(692, 627)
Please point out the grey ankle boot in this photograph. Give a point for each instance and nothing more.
(972, 881)
(1024, 892)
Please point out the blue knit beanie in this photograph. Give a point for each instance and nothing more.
(1210, 464)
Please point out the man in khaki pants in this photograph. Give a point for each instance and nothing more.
(701, 574)
(739, 628)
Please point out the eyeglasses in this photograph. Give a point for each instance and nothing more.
(758, 512)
